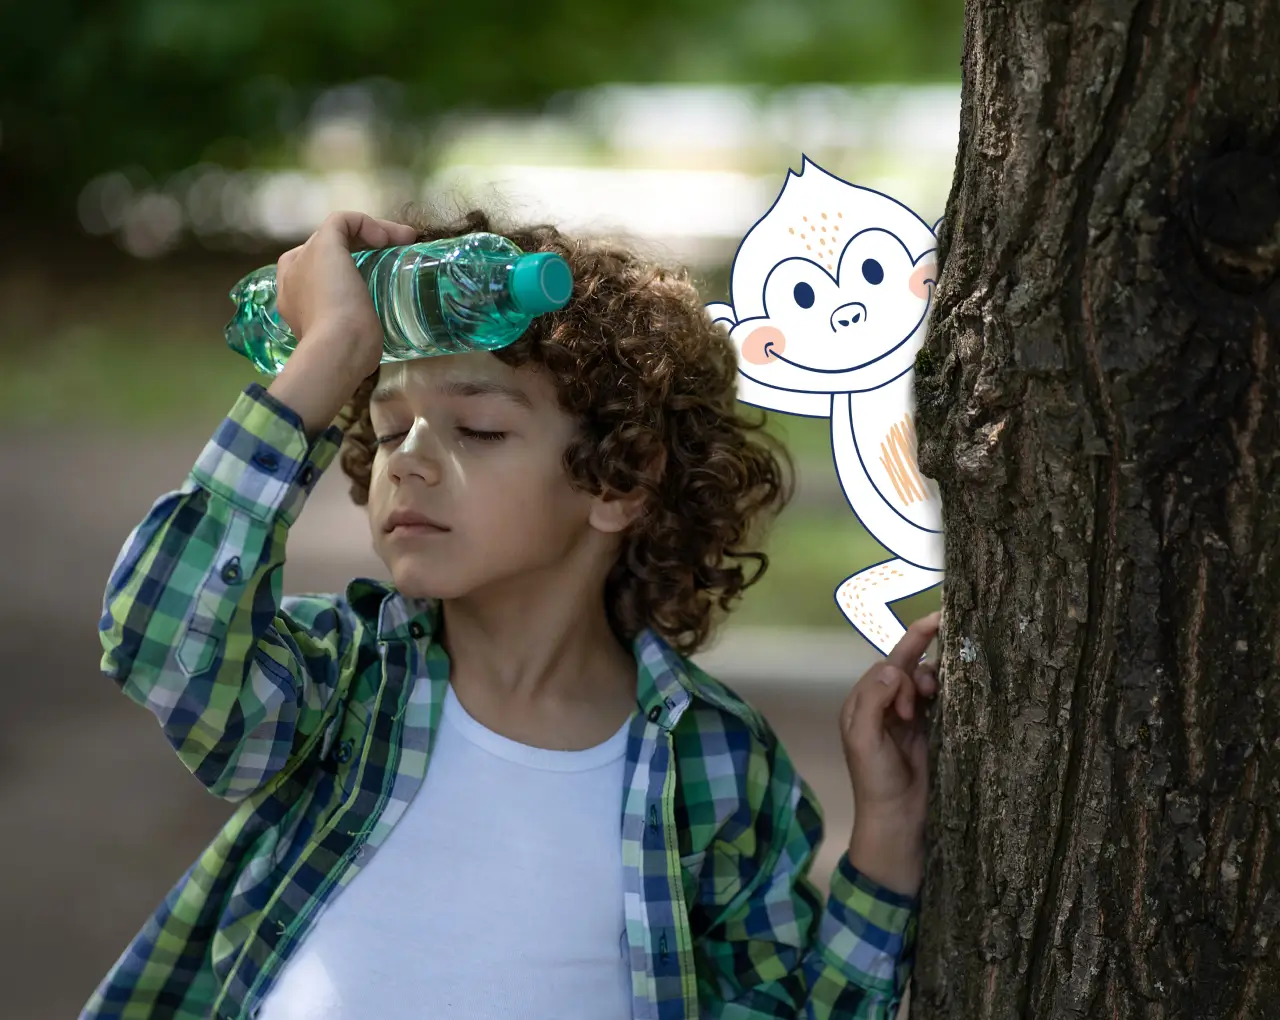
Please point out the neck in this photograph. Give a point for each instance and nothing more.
(539, 634)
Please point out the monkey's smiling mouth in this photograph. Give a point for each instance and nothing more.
(772, 352)
(826, 371)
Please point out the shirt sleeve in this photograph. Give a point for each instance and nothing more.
(194, 627)
(772, 949)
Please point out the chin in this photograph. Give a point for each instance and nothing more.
(417, 582)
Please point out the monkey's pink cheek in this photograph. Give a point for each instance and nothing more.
(925, 274)
(762, 345)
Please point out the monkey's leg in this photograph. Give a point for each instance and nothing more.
(864, 599)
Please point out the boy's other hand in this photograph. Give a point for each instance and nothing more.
(886, 746)
(325, 301)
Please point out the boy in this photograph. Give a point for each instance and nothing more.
(560, 520)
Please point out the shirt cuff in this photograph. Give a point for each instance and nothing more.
(868, 931)
(259, 459)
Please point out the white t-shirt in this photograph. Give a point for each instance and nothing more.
(498, 895)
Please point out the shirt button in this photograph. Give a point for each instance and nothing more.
(266, 460)
(417, 630)
(655, 713)
(343, 753)
(231, 570)
(308, 473)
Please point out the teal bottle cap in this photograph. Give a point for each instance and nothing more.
(541, 282)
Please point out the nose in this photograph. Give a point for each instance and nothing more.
(417, 456)
(425, 468)
(401, 467)
(847, 316)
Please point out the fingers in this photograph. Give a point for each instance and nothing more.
(926, 679)
(873, 700)
(918, 752)
(894, 689)
(285, 261)
(361, 231)
(911, 646)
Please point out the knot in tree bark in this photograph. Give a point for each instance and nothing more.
(1235, 219)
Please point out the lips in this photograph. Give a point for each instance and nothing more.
(411, 520)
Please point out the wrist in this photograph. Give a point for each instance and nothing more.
(318, 379)
(890, 852)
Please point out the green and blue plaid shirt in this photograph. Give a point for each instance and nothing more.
(316, 715)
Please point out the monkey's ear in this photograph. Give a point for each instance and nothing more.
(720, 312)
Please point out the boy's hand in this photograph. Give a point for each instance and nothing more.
(886, 746)
(325, 301)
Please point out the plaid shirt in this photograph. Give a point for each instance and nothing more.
(316, 715)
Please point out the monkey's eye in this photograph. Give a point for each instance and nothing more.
(803, 294)
(872, 271)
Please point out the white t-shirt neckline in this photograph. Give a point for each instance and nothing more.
(546, 759)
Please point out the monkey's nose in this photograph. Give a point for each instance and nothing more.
(848, 316)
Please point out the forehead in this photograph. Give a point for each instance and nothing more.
(459, 375)
(814, 217)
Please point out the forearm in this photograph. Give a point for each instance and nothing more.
(785, 953)
(318, 379)
(192, 628)
(890, 852)
(864, 952)
(852, 961)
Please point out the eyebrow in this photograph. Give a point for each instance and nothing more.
(388, 391)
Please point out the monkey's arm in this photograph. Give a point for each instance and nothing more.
(807, 405)
(720, 312)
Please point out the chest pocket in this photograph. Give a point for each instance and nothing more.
(346, 739)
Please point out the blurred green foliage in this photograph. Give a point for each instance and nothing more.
(145, 383)
(87, 87)
(162, 85)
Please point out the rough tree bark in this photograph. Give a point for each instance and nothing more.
(1099, 400)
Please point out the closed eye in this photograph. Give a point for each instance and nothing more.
(484, 437)
(387, 440)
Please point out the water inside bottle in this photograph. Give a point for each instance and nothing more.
(430, 305)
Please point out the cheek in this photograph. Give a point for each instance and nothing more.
(515, 495)
(378, 483)
(925, 275)
(762, 345)
(520, 521)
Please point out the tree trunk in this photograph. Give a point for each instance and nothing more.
(1099, 400)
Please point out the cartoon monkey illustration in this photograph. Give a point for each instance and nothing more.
(830, 291)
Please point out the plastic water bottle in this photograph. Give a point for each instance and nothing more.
(479, 292)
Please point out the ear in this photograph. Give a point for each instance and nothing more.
(614, 512)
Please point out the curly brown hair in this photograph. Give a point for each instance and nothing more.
(651, 381)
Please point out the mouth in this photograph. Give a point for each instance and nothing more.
(410, 522)
(773, 354)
